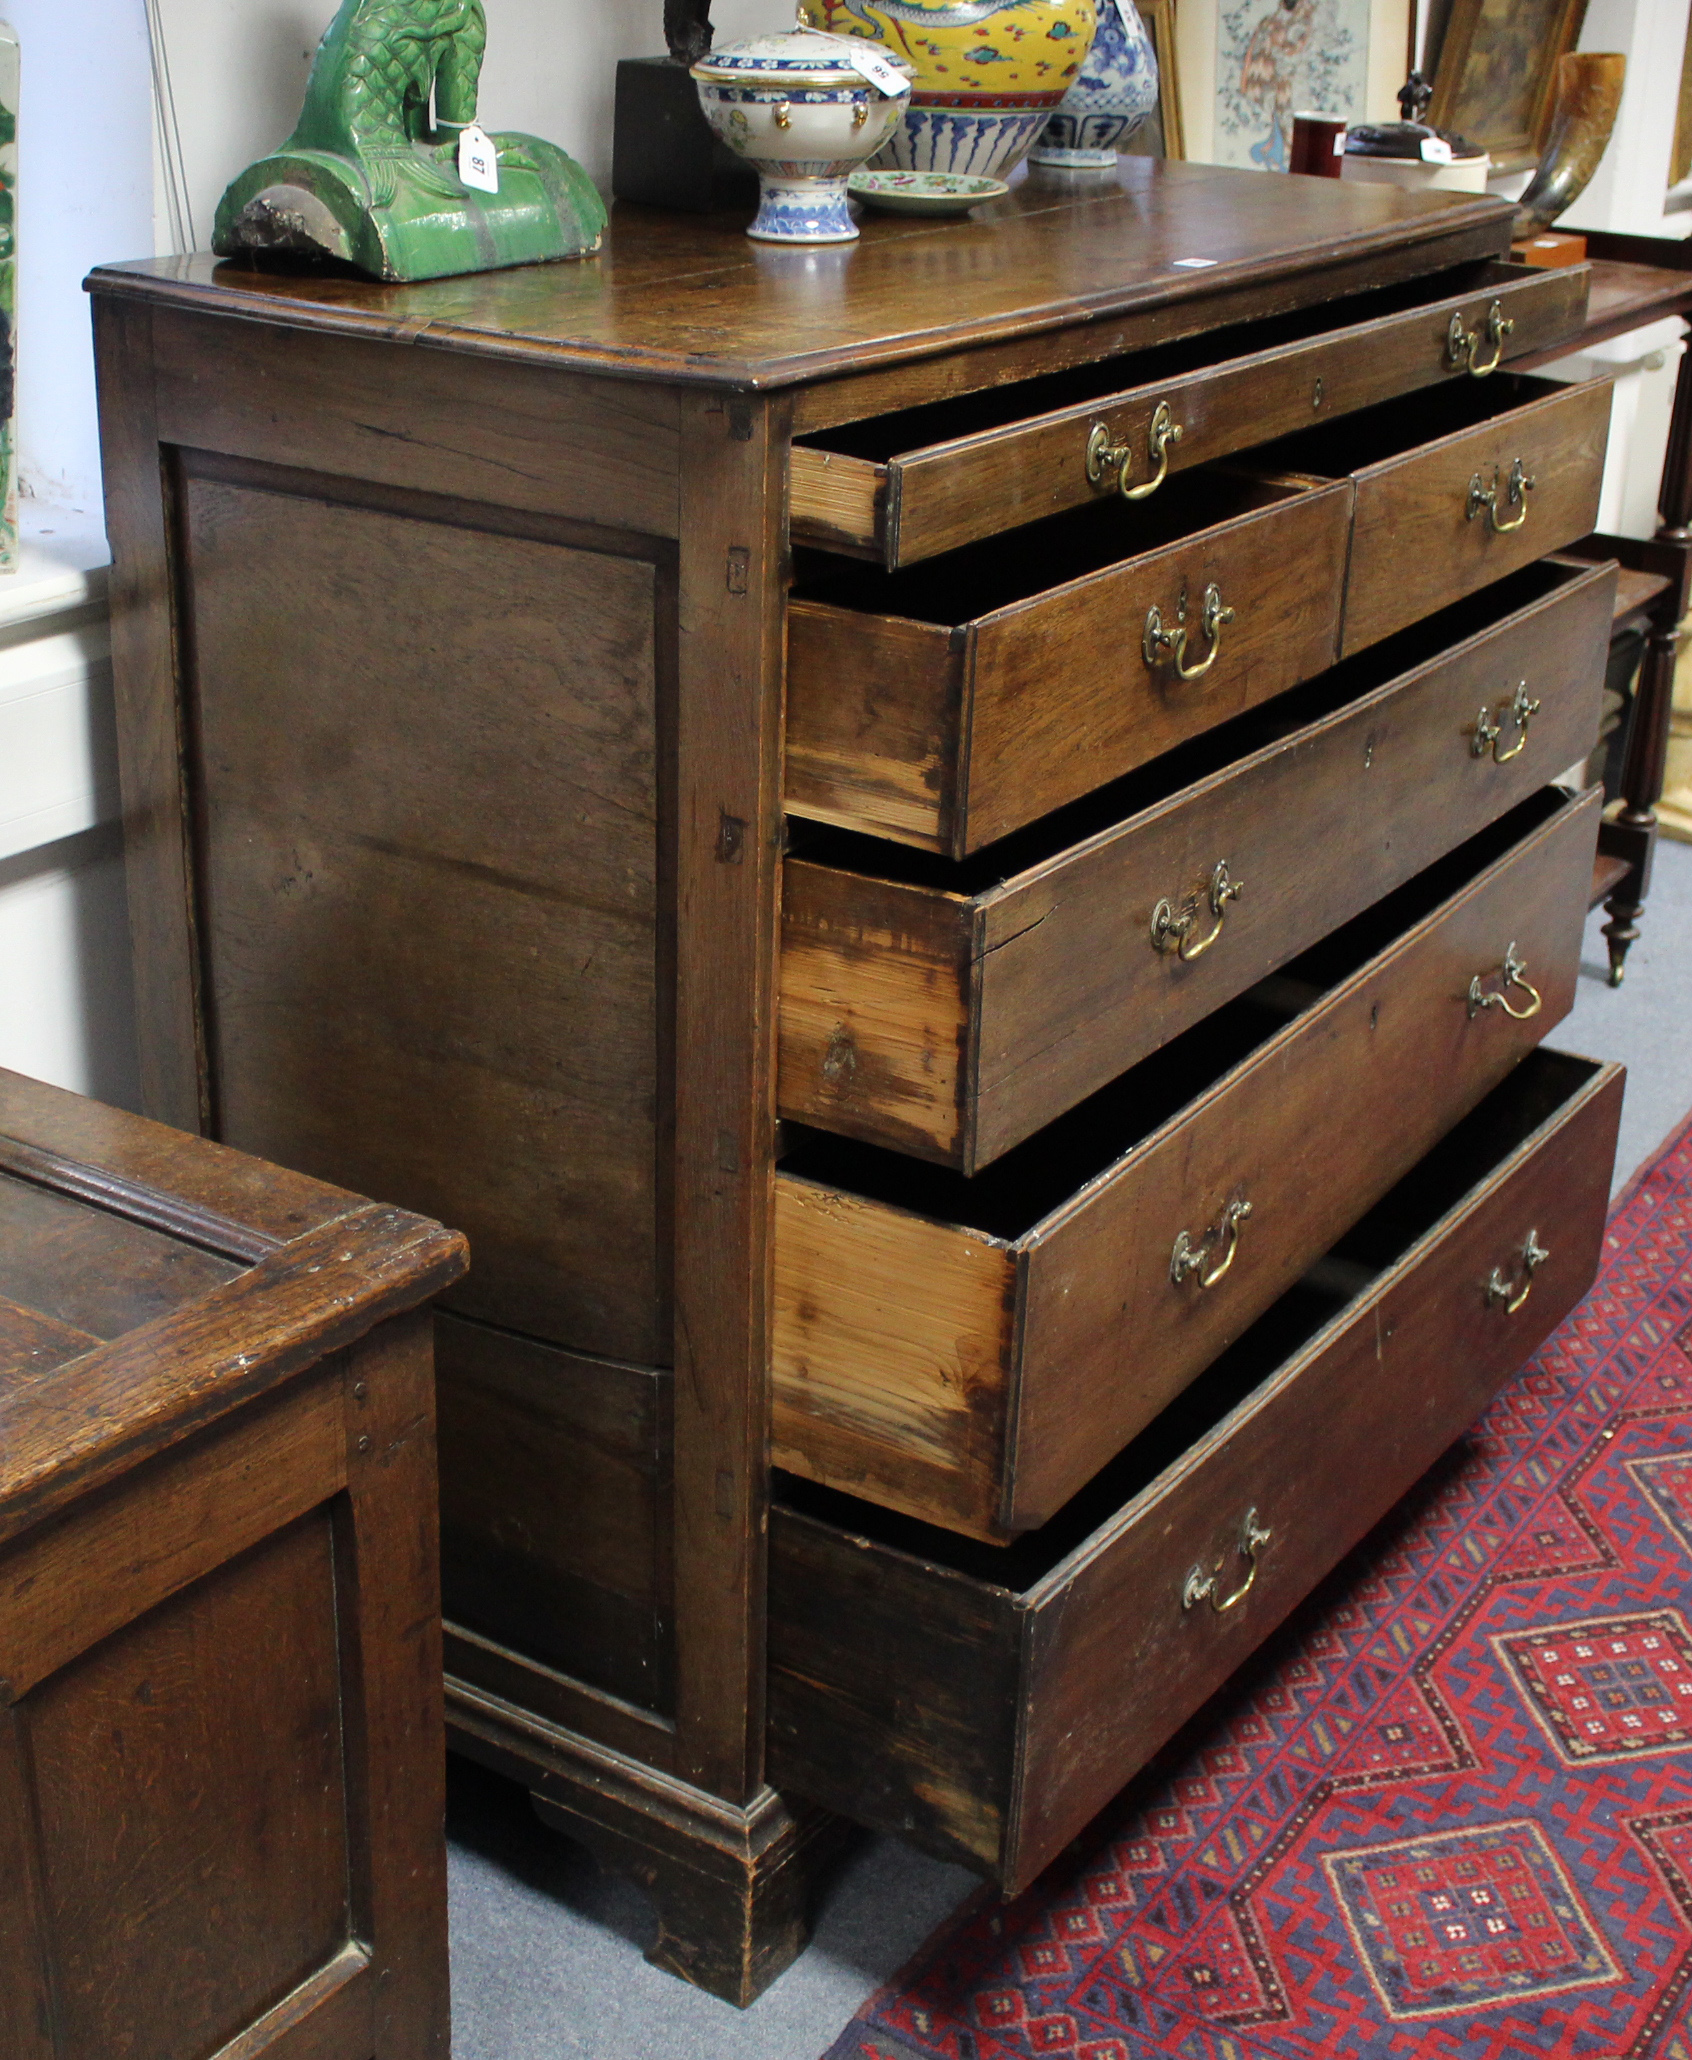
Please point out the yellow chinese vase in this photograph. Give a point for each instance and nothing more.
(989, 73)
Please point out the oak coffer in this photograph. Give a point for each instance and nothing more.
(221, 1798)
(948, 853)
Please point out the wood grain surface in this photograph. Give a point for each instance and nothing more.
(689, 300)
(948, 481)
(976, 1372)
(949, 729)
(987, 1703)
(351, 775)
(953, 1024)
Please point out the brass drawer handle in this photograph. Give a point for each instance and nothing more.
(1460, 342)
(1207, 1587)
(1519, 711)
(1500, 1288)
(1162, 646)
(1112, 464)
(1513, 973)
(1172, 931)
(1187, 1258)
(1517, 488)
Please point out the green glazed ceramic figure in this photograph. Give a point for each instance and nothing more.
(365, 179)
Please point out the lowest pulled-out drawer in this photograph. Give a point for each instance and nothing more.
(948, 706)
(973, 1351)
(986, 1701)
(949, 1010)
(905, 486)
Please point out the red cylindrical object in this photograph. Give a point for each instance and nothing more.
(1318, 145)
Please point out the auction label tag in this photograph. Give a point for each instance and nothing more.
(478, 160)
(1435, 150)
(885, 77)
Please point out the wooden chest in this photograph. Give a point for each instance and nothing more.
(943, 853)
(221, 1791)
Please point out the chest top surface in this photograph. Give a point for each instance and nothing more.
(150, 1280)
(690, 299)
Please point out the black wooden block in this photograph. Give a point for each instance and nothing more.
(663, 152)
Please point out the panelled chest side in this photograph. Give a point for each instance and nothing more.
(456, 631)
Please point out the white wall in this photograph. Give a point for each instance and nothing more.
(239, 69)
(85, 193)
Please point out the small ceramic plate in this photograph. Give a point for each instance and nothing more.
(924, 193)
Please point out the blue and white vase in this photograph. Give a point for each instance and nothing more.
(1113, 93)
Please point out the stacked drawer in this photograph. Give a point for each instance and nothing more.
(1175, 903)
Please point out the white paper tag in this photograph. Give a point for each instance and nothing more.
(1193, 264)
(1435, 150)
(1126, 9)
(885, 77)
(1339, 143)
(478, 160)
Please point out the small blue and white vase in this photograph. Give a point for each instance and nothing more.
(1113, 93)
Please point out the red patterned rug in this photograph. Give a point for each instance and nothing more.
(1448, 1811)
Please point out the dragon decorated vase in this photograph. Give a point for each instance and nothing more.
(988, 73)
(1114, 91)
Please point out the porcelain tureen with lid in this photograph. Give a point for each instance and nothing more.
(804, 109)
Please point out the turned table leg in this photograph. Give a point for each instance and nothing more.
(1632, 835)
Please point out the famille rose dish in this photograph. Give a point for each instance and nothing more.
(923, 193)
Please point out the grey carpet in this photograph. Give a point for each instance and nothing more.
(546, 1951)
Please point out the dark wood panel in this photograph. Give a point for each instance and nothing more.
(415, 419)
(554, 1516)
(462, 723)
(92, 1270)
(32, 1344)
(727, 814)
(143, 602)
(161, 1795)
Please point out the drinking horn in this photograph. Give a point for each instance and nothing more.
(1589, 89)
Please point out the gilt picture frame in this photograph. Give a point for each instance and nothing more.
(1162, 133)
(1496, 82)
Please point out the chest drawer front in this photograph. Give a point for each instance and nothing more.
(987, 1703)
(947, 734)
(904, 502)
(952, 1025)
(978, 1380)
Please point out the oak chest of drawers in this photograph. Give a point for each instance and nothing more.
(944, 852)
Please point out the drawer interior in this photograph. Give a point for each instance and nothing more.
(882, 437)
(1008, 1198)
(1212, 752)
(996, 572)
(1544, 1083)
(1374, 436)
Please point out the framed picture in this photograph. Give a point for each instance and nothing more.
(1162, 133)
(1497, 77)
(1277, 58)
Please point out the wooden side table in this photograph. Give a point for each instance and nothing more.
(221, 1743)
(1636, 280)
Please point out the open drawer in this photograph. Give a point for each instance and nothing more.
(951, 705)
(951, 1010)
(1026, 659)
(987, 1701)
(906, 486)
(973, 1351)
(1455, 490)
